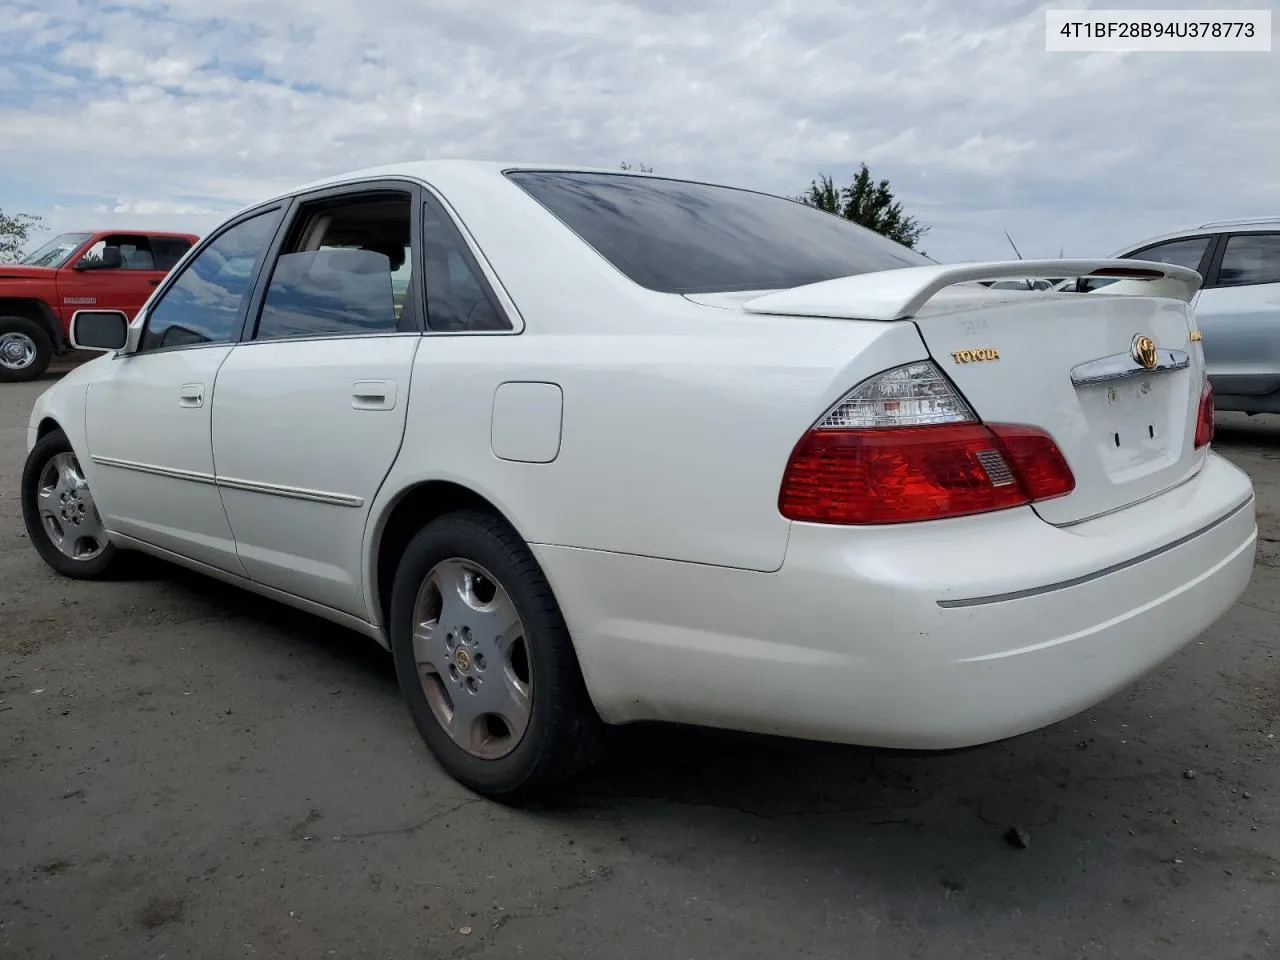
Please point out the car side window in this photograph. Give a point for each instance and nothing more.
(344, 270)
(203, 305)
(1250, 258)
(1188, 252)
(167, 251)
(458, 297)
(119, 252)
(1181, 253)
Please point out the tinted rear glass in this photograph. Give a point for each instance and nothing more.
(679, 237)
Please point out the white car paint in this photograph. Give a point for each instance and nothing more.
(849, 642)
(155, 412)
(637, 440)
(528, 422)
(279, 408)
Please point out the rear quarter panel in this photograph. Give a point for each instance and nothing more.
(673, 442)
(678, 418)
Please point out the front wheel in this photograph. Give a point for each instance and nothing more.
(485, 661)
(62, 520)
(25, 349)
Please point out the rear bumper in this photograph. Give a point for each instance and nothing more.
(931, 636)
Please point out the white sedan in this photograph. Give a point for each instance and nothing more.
(584, 448)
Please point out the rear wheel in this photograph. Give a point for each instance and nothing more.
(485, 661)
(62, 520)
(25, 349)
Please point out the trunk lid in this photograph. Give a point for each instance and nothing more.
(1069, 364)
(1065, 364)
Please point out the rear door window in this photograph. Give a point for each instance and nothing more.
(343, 270)
(1188, 252)
(1248, 259)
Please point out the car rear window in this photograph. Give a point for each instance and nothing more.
(679, 237)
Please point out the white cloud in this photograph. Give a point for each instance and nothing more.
(181, 111)
(162, 208)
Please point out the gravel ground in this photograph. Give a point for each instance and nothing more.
(188, 771)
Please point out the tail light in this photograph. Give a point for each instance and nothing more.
(905, 446)
(1204, 419)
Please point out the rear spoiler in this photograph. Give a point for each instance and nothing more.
(900, 294)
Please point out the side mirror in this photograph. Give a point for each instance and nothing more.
(101, 330)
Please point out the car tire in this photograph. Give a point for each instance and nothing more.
(25, 349)
(62, 520)
(562, 733)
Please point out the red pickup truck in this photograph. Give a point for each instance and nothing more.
(108, 270)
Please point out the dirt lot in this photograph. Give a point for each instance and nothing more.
(187, 771)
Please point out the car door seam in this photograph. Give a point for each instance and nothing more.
(366, 588)
(213, 453)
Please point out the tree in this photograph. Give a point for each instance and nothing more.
(15, 231)
(870, 204)
(641, 167)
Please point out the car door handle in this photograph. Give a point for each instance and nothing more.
(373, 395)
(154, 283)
(191, 395)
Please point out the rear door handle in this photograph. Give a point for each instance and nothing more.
(191, 395)
(154, 283)
(373, 395)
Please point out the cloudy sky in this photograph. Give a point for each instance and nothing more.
(171, 114)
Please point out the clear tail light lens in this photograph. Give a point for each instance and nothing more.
(912, 395)
(904, 446)
(1205, 419)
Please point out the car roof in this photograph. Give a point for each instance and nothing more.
(427, 169)
(139, 231)
(1240, 225)
(443, 173)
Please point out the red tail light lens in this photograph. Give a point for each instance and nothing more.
(1204, 420)
(904, 445)
(905, 474)
(1036, 461)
